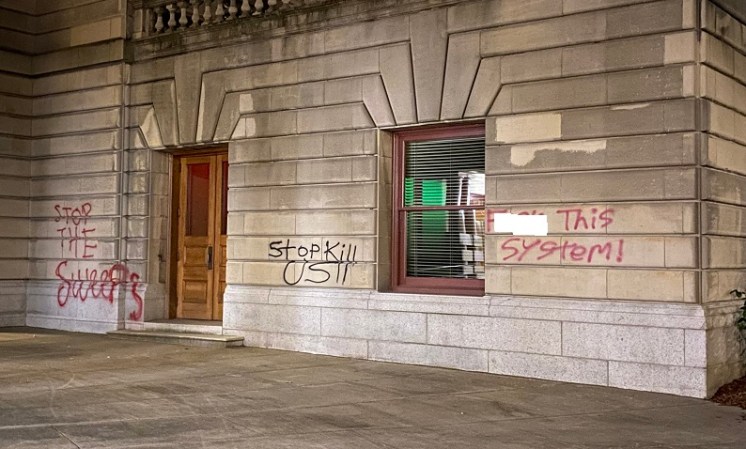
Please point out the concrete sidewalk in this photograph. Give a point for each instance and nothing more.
(62, 390)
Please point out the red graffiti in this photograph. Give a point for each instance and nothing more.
(75, 231)
(584, 219)
(92, 283)
(519, 248)
(89, 283)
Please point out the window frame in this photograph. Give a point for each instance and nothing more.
(400, 282)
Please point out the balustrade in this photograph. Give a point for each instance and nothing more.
(159, 17)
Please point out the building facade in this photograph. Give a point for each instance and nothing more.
(334, 177)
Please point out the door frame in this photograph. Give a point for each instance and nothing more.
(173, 226)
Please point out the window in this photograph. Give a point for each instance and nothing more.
(438, 235)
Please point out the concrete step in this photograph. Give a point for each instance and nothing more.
(179, 326)
(179, 338)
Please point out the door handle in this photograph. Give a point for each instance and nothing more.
(208, 260)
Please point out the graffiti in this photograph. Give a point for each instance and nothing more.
(576, 219)
(75, 230)
(314, 263)
(538, 249)
(83, 284)
(92, 283)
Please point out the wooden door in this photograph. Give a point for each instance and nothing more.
(201, 253)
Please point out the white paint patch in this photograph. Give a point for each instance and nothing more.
(521, 156)
(520, 224)
(630, 107)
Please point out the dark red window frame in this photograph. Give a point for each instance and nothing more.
(400, 281)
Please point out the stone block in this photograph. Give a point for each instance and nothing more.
(695, 348)
(566, 369)
(461, 69)
(650, 84)
(646, 18)
(616, 152)
(268, 223)
(555, 32)
(562, 282)
(325, 171)
(452, 305)
(275, 318)
(512, 189)
(458, 358)
(397, 74)
(347, 299)
(86, 121)
(575, 6)
(324, 196)
(374, 325)
(334, 118)
(340, 347)
(340, 65)
(376, 101)
(497, 280)
(680, 47)
(628, 185)
(345, 90)
(429, 40)
(268, 124)
(486, 86)
(723, 252)
(651, 285)
(642, 118)
(723, 187)
(681, 252)
(501, 334)
(486, 13)
(263, 174)
(720, 120)
(533, 65)
(723, 219)
(560, 94)
(367, 34)
(350, 222)
(93, 184)
(679, 380)
(623, 343)
(364, 169)
(349, 143)
(256, 198)
(717, 54)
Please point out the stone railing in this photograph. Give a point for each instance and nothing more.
(154, 17)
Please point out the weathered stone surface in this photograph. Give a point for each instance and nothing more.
(429, 40)
(396, 71)
(461, 69)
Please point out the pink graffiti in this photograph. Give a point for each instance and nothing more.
(89, 283)
(519, 248)
(92, 283)
(75, 231)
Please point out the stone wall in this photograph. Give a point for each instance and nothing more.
(15, 149)
(723, 89)
(590, 108)
(74, 141)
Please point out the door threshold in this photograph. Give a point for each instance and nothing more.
(179, 326)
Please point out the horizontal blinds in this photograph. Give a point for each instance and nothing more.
(444, 172)
(438, 175)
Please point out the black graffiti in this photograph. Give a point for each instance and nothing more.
(314, 263)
